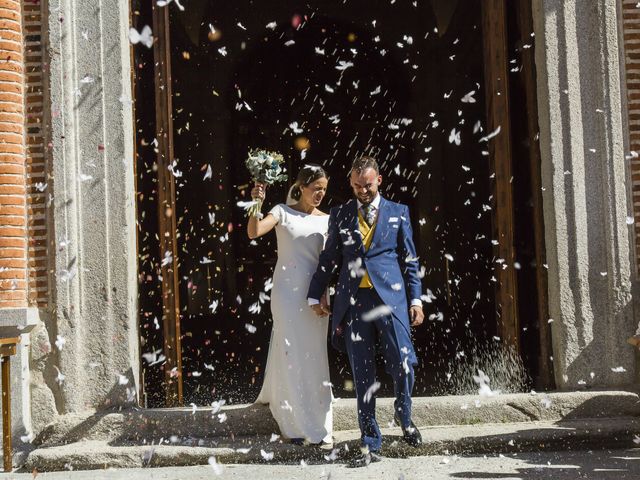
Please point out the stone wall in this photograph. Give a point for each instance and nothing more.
(586, 191)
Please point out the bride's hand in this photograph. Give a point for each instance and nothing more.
(258, 191)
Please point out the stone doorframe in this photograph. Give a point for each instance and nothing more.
(586, 196)
(586, 201)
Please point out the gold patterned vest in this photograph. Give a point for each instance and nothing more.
(367, 236)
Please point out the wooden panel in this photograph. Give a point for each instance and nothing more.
(7, 453)
(494, 23)
(525, 24)
(166, 208)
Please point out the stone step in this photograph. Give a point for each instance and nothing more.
(150, 425)
(444, 440)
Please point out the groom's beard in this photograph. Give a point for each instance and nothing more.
(367, 199)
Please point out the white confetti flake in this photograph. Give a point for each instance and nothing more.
(468, 98)
(68, 275)
(145, 36)
(250, 328)
(164, 3)
(216, 406)
(214, 306)
(295, 128)
(60, 377)
(618, 369)
(60, 341)
(371, 392)
(208, 173)
(484, 390)
(342, 65)
(454, 137)
(246, 205)
(153, 358)
(268, 456)
(495, 133)
(376, 313)
(271, 25)
(217, 468)
(274, 438)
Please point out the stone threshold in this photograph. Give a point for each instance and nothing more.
(150, 425)
(487, 438)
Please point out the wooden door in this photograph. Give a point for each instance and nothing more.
(167, 209)
(498, 138)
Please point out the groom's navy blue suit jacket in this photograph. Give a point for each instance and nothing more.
(390, 261)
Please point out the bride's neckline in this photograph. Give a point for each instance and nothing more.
(304, 213)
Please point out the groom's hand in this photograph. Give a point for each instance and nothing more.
(416, 315)
(320, 310)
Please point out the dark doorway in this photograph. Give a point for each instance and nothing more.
(402, 81)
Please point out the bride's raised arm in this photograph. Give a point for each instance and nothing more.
(256, 227)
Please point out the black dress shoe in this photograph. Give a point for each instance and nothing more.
(411, 435)
(364, 459)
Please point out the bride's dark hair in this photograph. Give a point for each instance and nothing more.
(306, 176)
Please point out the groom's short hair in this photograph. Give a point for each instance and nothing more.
(360, 164)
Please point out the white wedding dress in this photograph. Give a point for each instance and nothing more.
(296, 383)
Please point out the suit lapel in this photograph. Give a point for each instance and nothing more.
(352, 222)
(382, 222)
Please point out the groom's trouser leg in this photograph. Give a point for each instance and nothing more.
(398, 350)
(362, 357)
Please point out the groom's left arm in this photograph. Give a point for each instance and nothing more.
(408, 259)
(327, 263)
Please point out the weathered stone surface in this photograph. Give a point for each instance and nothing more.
(94, 207)
(586, 190)
(476, 439)
(249, 420)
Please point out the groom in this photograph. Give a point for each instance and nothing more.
(377, 296)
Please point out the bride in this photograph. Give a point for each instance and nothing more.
(296, 383)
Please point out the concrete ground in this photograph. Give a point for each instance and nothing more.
(596, 465)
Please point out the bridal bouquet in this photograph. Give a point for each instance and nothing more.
(264, 167)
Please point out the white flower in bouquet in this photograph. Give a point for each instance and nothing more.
(267, 168)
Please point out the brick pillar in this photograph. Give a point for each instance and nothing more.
(13, 225)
